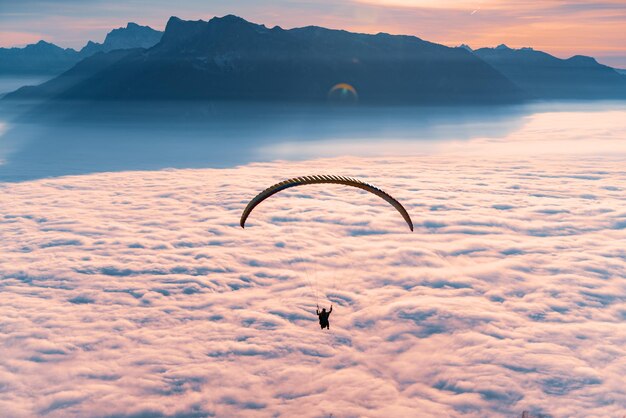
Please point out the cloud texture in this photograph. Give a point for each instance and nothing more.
(137, 294)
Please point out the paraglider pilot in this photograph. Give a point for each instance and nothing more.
(323, 315)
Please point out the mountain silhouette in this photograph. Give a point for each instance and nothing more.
(130, 37)
(230, 58)
(46, 58)
(82, 71)
(544, 76)
(40, 58)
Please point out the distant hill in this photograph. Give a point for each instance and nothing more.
(39, 58)
(544, 76)
(132, 36)
(231, 59)
(47, 58)
(82, 71)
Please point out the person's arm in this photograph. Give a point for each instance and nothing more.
(331, 309)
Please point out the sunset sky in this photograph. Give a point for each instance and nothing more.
(561, 27)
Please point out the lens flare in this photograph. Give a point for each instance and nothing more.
(343, 92)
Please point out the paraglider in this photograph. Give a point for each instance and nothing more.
(323, 316)
(324, 179)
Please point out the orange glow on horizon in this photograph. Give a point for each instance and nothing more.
(560, 28)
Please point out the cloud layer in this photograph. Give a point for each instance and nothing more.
(137, 294)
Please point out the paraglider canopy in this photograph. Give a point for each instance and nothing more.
(323, 179)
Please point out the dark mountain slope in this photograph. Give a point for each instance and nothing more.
(544, 76)
(47, 58)
(231, 59)
(130, 37)
(76, 75)
(39, 58)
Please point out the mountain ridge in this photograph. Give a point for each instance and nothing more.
(47, 58)
(545, 76)
(129, 37)
(38, 58)
(229, 58)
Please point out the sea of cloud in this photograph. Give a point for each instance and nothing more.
(137, 294)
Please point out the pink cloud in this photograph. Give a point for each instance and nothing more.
(137, 292)
(18, 39)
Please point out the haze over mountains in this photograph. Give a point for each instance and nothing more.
(47, 58)
(542, 75)
(230, 58)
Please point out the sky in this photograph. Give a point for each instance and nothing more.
(561, 27)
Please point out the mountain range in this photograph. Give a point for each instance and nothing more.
(542, 75)
(48, 59)
(229, 58)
